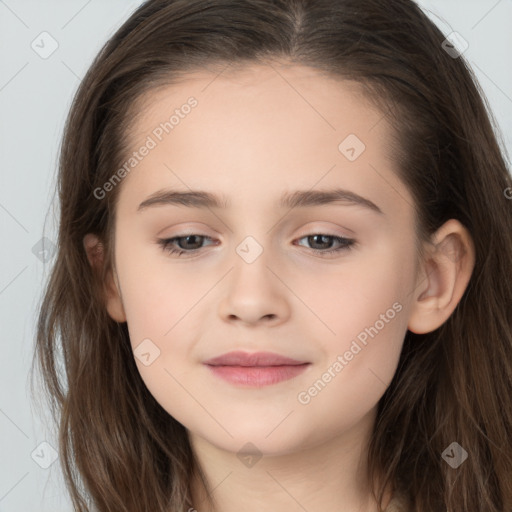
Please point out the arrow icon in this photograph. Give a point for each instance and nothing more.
(146, 352)
(351, 147)
(249, 455)
(249, 253)
(44, 455)
(454, 455)
(44, 44)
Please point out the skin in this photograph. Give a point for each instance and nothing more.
(256, 133)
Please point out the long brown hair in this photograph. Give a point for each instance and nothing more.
(119, 450)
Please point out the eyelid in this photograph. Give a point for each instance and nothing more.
(307, 231)
(190, 230)
(326, 231)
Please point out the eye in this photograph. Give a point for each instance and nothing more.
(191, 243)
(323, 240)
(194, 240)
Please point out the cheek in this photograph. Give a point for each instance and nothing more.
(161, 323)
(164, 314)
(369, 291)
(360, 360)
(364, 317)
(357, 373)
(159, 297)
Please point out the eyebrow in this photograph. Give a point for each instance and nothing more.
(296, 199)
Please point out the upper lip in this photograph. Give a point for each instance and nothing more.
(239, 358)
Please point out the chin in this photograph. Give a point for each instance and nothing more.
(254, 441)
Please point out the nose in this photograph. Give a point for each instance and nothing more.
(254, 293)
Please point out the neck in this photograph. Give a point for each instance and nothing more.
(331, 476)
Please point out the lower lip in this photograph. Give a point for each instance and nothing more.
(257, 376)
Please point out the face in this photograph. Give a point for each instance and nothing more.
(325, 280)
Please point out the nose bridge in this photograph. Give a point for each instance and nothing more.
(253, 291)
(250, 249)
(251, 264)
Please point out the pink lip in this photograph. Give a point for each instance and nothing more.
(257, 369)
(239, 358)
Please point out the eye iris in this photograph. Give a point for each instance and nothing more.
(311, 240)
(187, 238)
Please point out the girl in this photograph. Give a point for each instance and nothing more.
(341, 337)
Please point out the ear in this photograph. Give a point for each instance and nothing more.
(95, 254)
(444, 277)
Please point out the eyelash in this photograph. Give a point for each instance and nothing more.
(167, 244)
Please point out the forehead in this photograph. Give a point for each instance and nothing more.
(259, 128)
(262, 92)
(299, 88)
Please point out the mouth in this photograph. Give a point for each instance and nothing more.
(255, 370)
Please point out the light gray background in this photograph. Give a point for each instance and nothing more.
(35, 96)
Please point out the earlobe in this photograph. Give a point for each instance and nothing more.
(94, 249)
(446, 274)
(115, 306)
